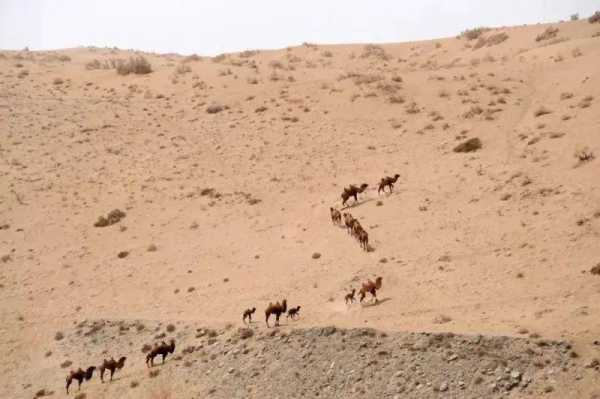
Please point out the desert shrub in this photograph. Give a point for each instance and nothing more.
(541, 111)
(492, 40)
(360, 78)
(138, 65)
(566, 95)
(396, 100)
(374, 51)
(475, 33)
(574, 17)
(192, 58)
(219, 58)
(276, 64)
(182, 69)
(412, 108)
(470, 145)
(327, 54)
(496, 39)
(584, 154)
(549, 33)
(576, 52)
(215, 108)
(475, 110)
(248, 53)
(94, 64)
(595, 18)
(57, 81)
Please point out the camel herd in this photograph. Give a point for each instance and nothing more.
(276, 309)
(113, 365)
(353, 226)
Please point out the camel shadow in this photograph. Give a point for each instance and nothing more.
(373, 303)
(357, 204)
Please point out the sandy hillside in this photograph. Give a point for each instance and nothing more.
(226, 167)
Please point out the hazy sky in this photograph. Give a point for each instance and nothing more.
(210, 27)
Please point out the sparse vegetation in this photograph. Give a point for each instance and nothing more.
(541, 111)
(375, 51)
(549, 33)
(138, 65)
(594, 18)
(475, 33)
(470, 145)
(584, 154)
(183, 69)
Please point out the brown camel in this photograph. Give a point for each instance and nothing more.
(387, 181)
(277, 309)
(350, 296)
(349, 222)
(356, 228)
(111, 365)
(248, 314)
(294, 312)
(353, 191)
(80, 376)
(336, 217)
(163, 349)
(370, 287)
(363, 239)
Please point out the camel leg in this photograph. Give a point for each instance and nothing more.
(163, 358)
(79, 387)
(267, 320)
(111, 374)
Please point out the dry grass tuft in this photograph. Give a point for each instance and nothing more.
(492, 40)
(374, 51)
(541, 111)
(138, 65)
(475, 33)
(182, 69)
(549, 33)
(584, 154)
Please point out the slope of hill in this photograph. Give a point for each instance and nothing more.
(226, 167)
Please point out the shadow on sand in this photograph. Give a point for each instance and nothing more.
(373, 303)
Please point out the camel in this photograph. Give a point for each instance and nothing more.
(294, 312)
(353, 191)
(277, 309)
(248, 314)
(349, 222)
(350, 296)
(336, 217)
(356, 228)
(80, 376)
(370, 287)
(363, 239)
(163, 349)
(112, 365)
(387, 181)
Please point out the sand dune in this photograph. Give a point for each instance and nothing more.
(226, 168)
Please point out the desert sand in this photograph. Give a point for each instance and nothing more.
(226, 168)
